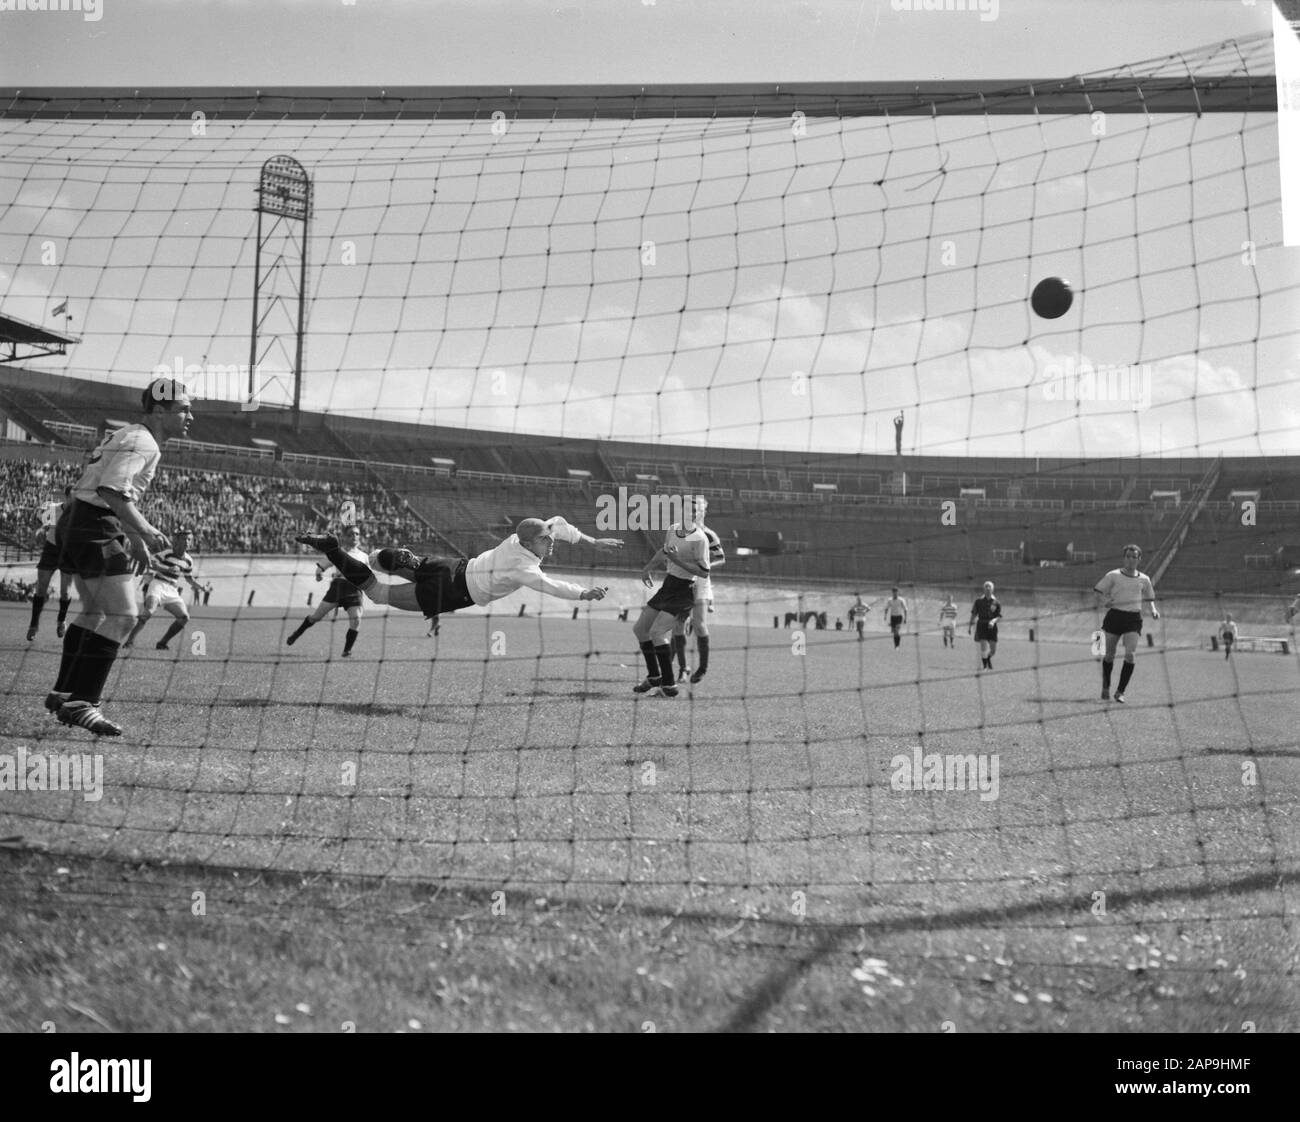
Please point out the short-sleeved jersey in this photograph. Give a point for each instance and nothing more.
(1126, 593)
(170, 566)
(948, 614)
(125, 462)
(986, 609)
(330, 573)
(1228, 630)
(49, 516)
(691, 546)
(896, 606)
(716, 553)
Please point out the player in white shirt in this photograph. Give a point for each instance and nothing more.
(163, 589)
(699, 620)
(46, 566)
(341, 593)
(858, 615)
(1228, 634)
(1124, 593)
(896, 615)
(685, 553)
(435, 585)
(104, 540)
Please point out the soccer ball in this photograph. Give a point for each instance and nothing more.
(1051, 298)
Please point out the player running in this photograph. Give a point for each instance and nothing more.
(703, 591)
(858, 614)
(686, 554)
(1123, 592)
(104, 540)
(1228, 634)
(896, 615)
(984, 616)
(47, 564)
(435, 585)
(948, 621)
(163, 590)
(341, 593)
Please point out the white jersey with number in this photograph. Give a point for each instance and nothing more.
(125, 461)
(1126, 593)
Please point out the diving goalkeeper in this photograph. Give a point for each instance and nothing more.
(440, 584)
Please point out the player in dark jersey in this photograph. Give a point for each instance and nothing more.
(984, 616)
(46, 566)
(341, 593)
(104, 540)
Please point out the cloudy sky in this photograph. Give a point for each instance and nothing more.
(753, 282)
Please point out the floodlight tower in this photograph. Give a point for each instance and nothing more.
(284, 195)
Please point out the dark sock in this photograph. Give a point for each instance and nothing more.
(665, 654)
(897, 639)
(64, 605)
(651, 660)
(1107, 665)
(702, 641)
(303, 626)
(1125, 673)
(357, 572)
(71, 649)
(679, 649)
(38, 606)
(175, 629)
(90, 671)
(352, 638)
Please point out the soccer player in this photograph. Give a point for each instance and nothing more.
(1124, 592)
(434, 585)
(703, 591)
(685, 553)
(341, 593)
(896, 615)
(1228, 633)
(163, 589)
(858, 614)
(1293, 610)
(104, 540)
(46, 565)
(984, 616)
(948, 621)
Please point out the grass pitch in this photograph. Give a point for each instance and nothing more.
(488, 830)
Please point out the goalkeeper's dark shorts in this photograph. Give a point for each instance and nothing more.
(440, 586)
(676, 596)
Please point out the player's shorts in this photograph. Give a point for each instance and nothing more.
(949, 628)
(895, 622)
(1122, 623)
(1226, 640)
(49, 559)
(342, 594)
(986, 631)
(440, 586)
(860, 623)
(91, 542)
(676, 596)
(160, 593)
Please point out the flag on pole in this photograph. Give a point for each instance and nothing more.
(61, 310)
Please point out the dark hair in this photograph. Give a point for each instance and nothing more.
(164, 391)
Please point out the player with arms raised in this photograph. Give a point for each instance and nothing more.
(699, 621)
(47, 564)
(341, 593)
(436, 585)
(1124, 593)
(163, 590)
(686, 554)
(104, 540)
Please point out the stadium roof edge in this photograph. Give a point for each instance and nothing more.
(1114, 93)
